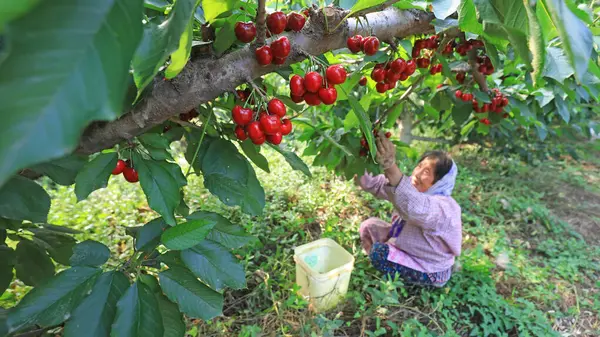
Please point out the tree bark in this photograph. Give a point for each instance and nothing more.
(205, 78)
(406, 126)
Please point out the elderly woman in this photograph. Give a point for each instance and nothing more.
(425, 235)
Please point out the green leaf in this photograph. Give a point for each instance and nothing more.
(157, 5)
(62, 170)
(172, 259)
(187, 234)
(492, 53)
(562, 109)
(365, 123)
(33, 266)
(225, 37)
(138, 314)
(58, 246)
(461, 112)
(90, 253)
(161, 182)
(224, 232)
(482, 96)
(171, 317)
(192, 140)
(156, 145)
(193, 297)
(253, 152)
(95, 174)
(159, 41)
(7, 262)
(180, 57)
(542, 131)
(229, 176)
(23, 199)
(53, 302)
(214, 265)
(82, 63)
(150, 281)
(536, 43)
(365, 4)
(61, 229)
(214, 8)
(574, 34)
(557, 65)
(295, 162)
(444, 8)
(549, 31)
(467, 18)
(148, 236)
(11, 10)
(95, 315)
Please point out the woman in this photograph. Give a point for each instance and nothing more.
(425, 235)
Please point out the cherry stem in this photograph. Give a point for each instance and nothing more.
(199, 143)
(256, 88)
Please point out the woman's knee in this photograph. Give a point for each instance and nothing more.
(369, 222)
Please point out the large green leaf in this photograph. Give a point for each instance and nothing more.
(192, 150)
(81, 66)
(557, 65)
(156, 145)
(536, 43)
(53, 302)
(365, 4)
(365, 123)
(33, 266)
(138, 314)
(224, 232)
(444, 8)
(214, 265)
(574, 34)
(187, 234)
(90, 253)
(10, 10)
(562, 108)
(193, 297)
(62, 170)
(172, 319)
(253, 152)
(58, 246)
(95, 174)
(148, 236)
(159, 41)
(467, 18)
(180, 57)
(229, 176)
(23, 199)
(295, 162)
(95, 315)
(225, 37)
(161, 182)
(214, 8)
(461, 112)
(7, 261)
(549, 31)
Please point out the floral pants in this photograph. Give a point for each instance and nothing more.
(379, 254)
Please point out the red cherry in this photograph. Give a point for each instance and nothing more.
(119, 167)
(245, 31)
(270, 124)
(378, 74)
(363, 81)
(276, 22)
(363, 143)
(336, 74)
(241, 116)
(411, 67)
(485, 108)
(242, 95)
(423, 62)
(415, 52)
(498, 110)
(381, 87)
(475, 105)
(313, 82)
(286, 127)
(264, 55)
(391, 76)
(490, 70)
(275, 139)
(254, 131)
(485, 121)
(355, 43)
(279, 60)
(363, 152)
(240, 133)
(448, 49)
(297, 99)
(460, 77)
(259, 141)
(297, 85)
(398, 66)
(465, 97)
(391, 84)
(281, 47)
(458, 94)
(482, 69)
(403, 77)
(505, 115)
(439, 86)
(388, 134)
(312, 98)
(504, 101)
(276, 107)
(295, 21)
(371, 45)
(328, 95)
(130, 175)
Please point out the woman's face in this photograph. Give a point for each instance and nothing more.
(423, 175)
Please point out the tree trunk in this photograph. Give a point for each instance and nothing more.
(406, 126)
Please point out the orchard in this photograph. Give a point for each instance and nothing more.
(92, 90)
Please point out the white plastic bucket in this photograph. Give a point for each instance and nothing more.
(323, 271)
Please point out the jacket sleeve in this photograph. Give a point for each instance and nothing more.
(374, 185)
(426, 211)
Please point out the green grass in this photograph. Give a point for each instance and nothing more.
(509, 208)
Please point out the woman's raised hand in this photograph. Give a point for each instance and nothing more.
(386, 151)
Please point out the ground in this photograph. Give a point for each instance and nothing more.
(530, 264)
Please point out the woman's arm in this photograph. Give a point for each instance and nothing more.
(373, 185)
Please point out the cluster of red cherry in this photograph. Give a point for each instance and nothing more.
(498, 102)
(314, 89)
(125, 167)
(369, 45)
(387, 75)
(264, 126)
(364, 145)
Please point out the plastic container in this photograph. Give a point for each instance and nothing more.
(323, 271)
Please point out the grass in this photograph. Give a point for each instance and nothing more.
(511, 211)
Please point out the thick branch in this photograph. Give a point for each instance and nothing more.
(204, 79)
(261, 27)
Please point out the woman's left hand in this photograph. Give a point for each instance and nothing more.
(386, 152)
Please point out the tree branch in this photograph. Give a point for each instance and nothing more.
(205, 78)
(477, 76)
(261, 27)
(375, 8)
